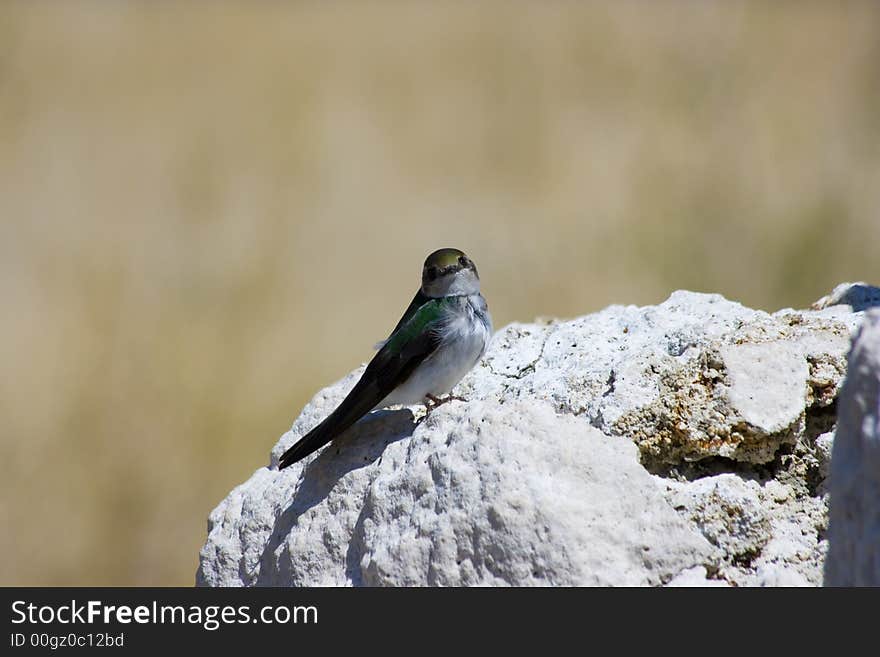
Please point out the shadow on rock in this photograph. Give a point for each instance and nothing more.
(858, 296)
(861, 297)
(358, 447)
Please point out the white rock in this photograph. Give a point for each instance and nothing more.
(764, 532)
(728, 510)
(775, 575)
(518, 487)
(695, 377)
(854, 525)
(824, 447)
(794, 550)
(696, 576)
(777, 491)
(479, 494)
(767, 383)
(858, 296)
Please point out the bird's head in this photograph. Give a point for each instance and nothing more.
(449, 272)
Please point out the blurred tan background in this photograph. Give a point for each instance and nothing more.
(210, 211)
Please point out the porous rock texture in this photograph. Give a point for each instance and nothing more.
(685, 444)
(854, 531)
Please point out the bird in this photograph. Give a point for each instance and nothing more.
(441, 336)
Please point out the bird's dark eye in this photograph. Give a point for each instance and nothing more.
(463, 261)
(432, 273)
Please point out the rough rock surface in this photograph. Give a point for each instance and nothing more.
(854, 531)
(480, 493)
(685, 443)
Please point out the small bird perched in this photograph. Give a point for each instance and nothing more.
(441, 336)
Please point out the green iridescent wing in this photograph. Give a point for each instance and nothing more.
(418, 301)
(413, 340)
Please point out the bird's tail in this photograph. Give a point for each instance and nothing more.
(313, 440)
(358, 403)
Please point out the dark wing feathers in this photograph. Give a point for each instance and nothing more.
(418, 301)
(412, 340)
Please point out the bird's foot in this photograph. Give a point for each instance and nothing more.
(434, 401)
